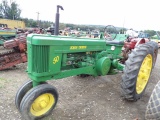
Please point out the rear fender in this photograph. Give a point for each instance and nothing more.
(140, 41)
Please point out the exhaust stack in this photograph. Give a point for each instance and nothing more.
(56, 30)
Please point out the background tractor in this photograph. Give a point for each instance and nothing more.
(156, 38)
(7, 29)
(131, 42)
(6, 34)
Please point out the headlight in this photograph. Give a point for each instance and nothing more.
(113, 47)
(123, 48)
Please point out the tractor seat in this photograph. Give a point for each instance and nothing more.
(115, 42)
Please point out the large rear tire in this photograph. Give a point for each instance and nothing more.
(153, 106)
(154, 46)
(137, 72)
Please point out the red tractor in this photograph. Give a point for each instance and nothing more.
(131, 43)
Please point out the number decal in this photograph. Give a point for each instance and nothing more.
(55, 59)
(77, 47)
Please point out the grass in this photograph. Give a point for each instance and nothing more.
(2, 79)
(1, 86)
(2, 82)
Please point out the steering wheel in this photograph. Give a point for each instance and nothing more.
(110, 32)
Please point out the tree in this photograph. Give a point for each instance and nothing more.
(150, 32)
(1, 16)
(62, 26)
(10, 11)
(122, 30)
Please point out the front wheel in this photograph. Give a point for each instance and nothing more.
(22, 91)
(39, 102)
(137, 72)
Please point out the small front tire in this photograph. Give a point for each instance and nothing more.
(39, 102)
(22, 91)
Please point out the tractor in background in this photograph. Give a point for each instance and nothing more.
(130, 42)
(6, 33)
(156, 38)
(133, 40)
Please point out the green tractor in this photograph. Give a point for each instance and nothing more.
(52, 57)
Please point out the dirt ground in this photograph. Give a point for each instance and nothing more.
(79, 98)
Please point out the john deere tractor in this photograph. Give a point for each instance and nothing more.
(52, 57)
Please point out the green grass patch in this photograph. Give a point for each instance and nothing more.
(2, 82)
(2, 78)
(1, 86)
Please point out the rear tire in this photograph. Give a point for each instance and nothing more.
(154, 46)
(153, 106)
(137, 72)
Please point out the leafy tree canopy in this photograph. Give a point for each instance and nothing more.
(10, 11)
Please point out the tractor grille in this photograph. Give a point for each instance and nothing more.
(40, 59)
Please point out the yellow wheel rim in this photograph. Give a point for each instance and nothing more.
(144, 73)
(42, 104)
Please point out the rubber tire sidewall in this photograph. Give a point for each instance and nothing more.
(154, 46)
(32, 95)
(128, 84)
(153, 106)
(138, 96)
(22, 91)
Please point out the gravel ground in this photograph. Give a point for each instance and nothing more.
(79, 98)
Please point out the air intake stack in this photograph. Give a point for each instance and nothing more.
(56, 30)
